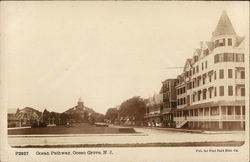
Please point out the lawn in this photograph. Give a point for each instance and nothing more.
(77, 128)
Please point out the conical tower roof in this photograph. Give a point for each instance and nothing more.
(224, 26)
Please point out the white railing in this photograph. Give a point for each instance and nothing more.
(212, 117)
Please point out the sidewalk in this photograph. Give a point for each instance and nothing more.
(183, 130)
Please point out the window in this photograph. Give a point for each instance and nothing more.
(216, 58)
(202, 66)
(221, 73)
(229, 110)
(230, 73)
(193, 98)
(242, 91)
(210, 93)
(205, 64)
(220, 58)
(199, 95)
(221, 90)
(237, 110)
(204, 94)
(210, 78)
(229, 41)
(222, 42)
(188, 100)
(228, 57)
(239, 57)
(196, 112)
(242, 74)
(230, 90)
(191, 112)
(243, 110)
(193, 71)
(214, 75)
(197, 68)
(214, 110)
(215, 91)
(204, 80)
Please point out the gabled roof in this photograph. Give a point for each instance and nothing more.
(224, 26)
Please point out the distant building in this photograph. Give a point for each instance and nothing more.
(168, 92)
(153, 113)
(211, 89)
(13, 121)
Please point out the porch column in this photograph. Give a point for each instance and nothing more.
(220, 119)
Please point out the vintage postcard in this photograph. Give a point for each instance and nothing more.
(124, 81)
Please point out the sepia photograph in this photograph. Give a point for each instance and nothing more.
(98, 78)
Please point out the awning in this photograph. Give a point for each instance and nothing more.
(210, 87)
(240, 68)
(210, 72)
(240, 85)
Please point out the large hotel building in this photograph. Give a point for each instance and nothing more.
(210, 93)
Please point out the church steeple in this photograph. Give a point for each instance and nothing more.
(224, 26)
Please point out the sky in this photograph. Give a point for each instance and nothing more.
(52, 53)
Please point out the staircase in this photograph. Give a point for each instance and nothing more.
(181, 124)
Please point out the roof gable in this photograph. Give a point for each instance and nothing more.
(187, 65)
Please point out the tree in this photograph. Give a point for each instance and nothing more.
(111, 114)
(134, 108)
